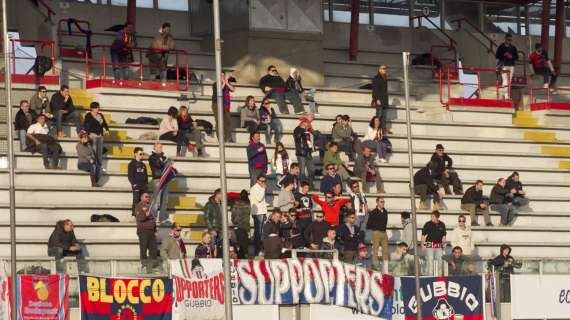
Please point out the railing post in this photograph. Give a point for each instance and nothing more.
(448, 85)
(86, 66)
(177, 72)
(187, 72)
(52, 44)
(141, 76)
(104, 63)
(13, 55)
(479, 84)
(497, 84)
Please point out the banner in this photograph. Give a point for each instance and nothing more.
(123, 298)
(540, 296)
(4, 293)
(445, 298)
(43, 297)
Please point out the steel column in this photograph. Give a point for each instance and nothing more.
(354, 24)
(559, 34)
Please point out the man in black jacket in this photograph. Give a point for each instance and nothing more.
(63, 109)
(515, 187)
(424, 184)
(349, 235)
(507, 56)
(501, 201)
(157, 162)
(25, 117)
(380, 97)
(472, 201)
(316, 231)
(137, 177)
(274, 87)
(62, 243)
(304, 151)
(444, 172)
(377, 221)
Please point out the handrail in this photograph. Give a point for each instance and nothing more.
(491, 41)
(68, 32)
(452, 43)
(50, 12)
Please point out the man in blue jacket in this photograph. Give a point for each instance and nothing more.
(256, 157)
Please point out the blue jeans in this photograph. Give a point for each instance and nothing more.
(97, 143)
(22, 136)
(258, 221)
(280, 97)
(120, 67)
(307, 169)
(160, 201)
(73, 116)
(93, 169)
(520, 203)
(277, 128)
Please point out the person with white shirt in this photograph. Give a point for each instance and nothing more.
(463, 237)
(38, 134)
(374, 140)
(359, 204)
(258, 210)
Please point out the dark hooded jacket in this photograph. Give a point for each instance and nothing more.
(61, 239)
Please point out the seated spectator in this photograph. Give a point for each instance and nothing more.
(304, 206)
(241, 214)
(39, 104)
(350, 237)
(146, 232)
(462, 237)
(433, 238)
(205, 249)
(473, 202)
(304, 146)
(24, 119)
(269, 122)
(402, 263)
(86, 159)
(331, 207)
(258, 210)
(122, 51)
(158, 53)
(292, 176)
(501, 200)
(541, 65)
(249, 115)
(425, 185)
(158, 162)
(359, 204)
(331, 178)
(444, 172)
(190, 131)
(295, 85)
(377, 223)
(168, 130)
(96, 126)
(286, 198)
(272, 244)
(138, 176)
(316, 231)
(332, 156)
(329, 243)
(364, 169)
(274, 87)
(456, 262)
(64, 111)
(375, 141)
(515, 187)
(62, 243)
(172, 246)
(408, 232)
(280, 162)
(344, 136)
(256, 157)
(40, 141)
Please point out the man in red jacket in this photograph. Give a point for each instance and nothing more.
(331, 207)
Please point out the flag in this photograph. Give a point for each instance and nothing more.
(168, 174)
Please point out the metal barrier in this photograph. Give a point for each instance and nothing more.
(96, 71)
(542, 98)
(83, 31)
(50, 77)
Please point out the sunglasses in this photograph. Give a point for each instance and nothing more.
(331, 168)
(273, 70)
(460, 221)
(319, 217)
(382, 201)
(261, 181)
(140, 154)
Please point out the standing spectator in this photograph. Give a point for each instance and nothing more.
(515, 187)
(380, 97)
(343, 135)
(295, 85)
(64, 111)
(86, 160)
(377, 222)
(62, 243)
(433, 238)
(256, 157)
(274, 87)
(444, 172)
(304, 145)
(258, 210)
(96, 125)
(168, 130)
(189, 130)
(146, 231)
(138, 177)
(542, 65)
(122, 51)
(241, 213)
(359, 204)
(350, 237)
(462, 237)
(304, 206)
(286, 199)
(364, 169)
(24, 119)
(331, 207)
(504, 263)
(374, 140)
(316, 231)
(213, 215)
(507, 56)
(500, 200)
(294, 239)
(332, 156)
(472, 202)
(329, 243)
(269, 121)
(425, 185)
(205, 249)
(42, 142)
(272, 244)
(408, 232)
(330, 179)
(173, 247)
(249, 115)
(291, 176)
(227, 89)
(280, 163)
(457, 265)
(158, 162)
(158, 53)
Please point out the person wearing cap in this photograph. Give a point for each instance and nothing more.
(96, 126)
(158, 53)
(443, 171)
(86, 158)
(173, 246)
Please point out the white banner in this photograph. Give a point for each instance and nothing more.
(249, 312)
(540, 296)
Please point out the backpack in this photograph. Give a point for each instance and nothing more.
(42, 64)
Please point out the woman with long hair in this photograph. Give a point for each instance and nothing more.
(373, 139)
(190, 131)
(249, 115)
(168, 130)
(280, 161)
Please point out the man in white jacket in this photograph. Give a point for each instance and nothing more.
(258, 210)
(462, 237)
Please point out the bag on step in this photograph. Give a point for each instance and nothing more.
(103, 218)
(42, 64)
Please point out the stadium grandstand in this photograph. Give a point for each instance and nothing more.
(405, 138)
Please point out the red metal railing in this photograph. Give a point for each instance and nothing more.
(99, 67)
(42, 44)
(50, 12)
(65, 29)
(542, 98)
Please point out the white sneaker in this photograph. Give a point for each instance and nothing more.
(383, 160)
(545, 85)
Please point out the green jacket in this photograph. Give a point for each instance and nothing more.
(213, 215)
(169, 249)
(331, 158)
(241, 213)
